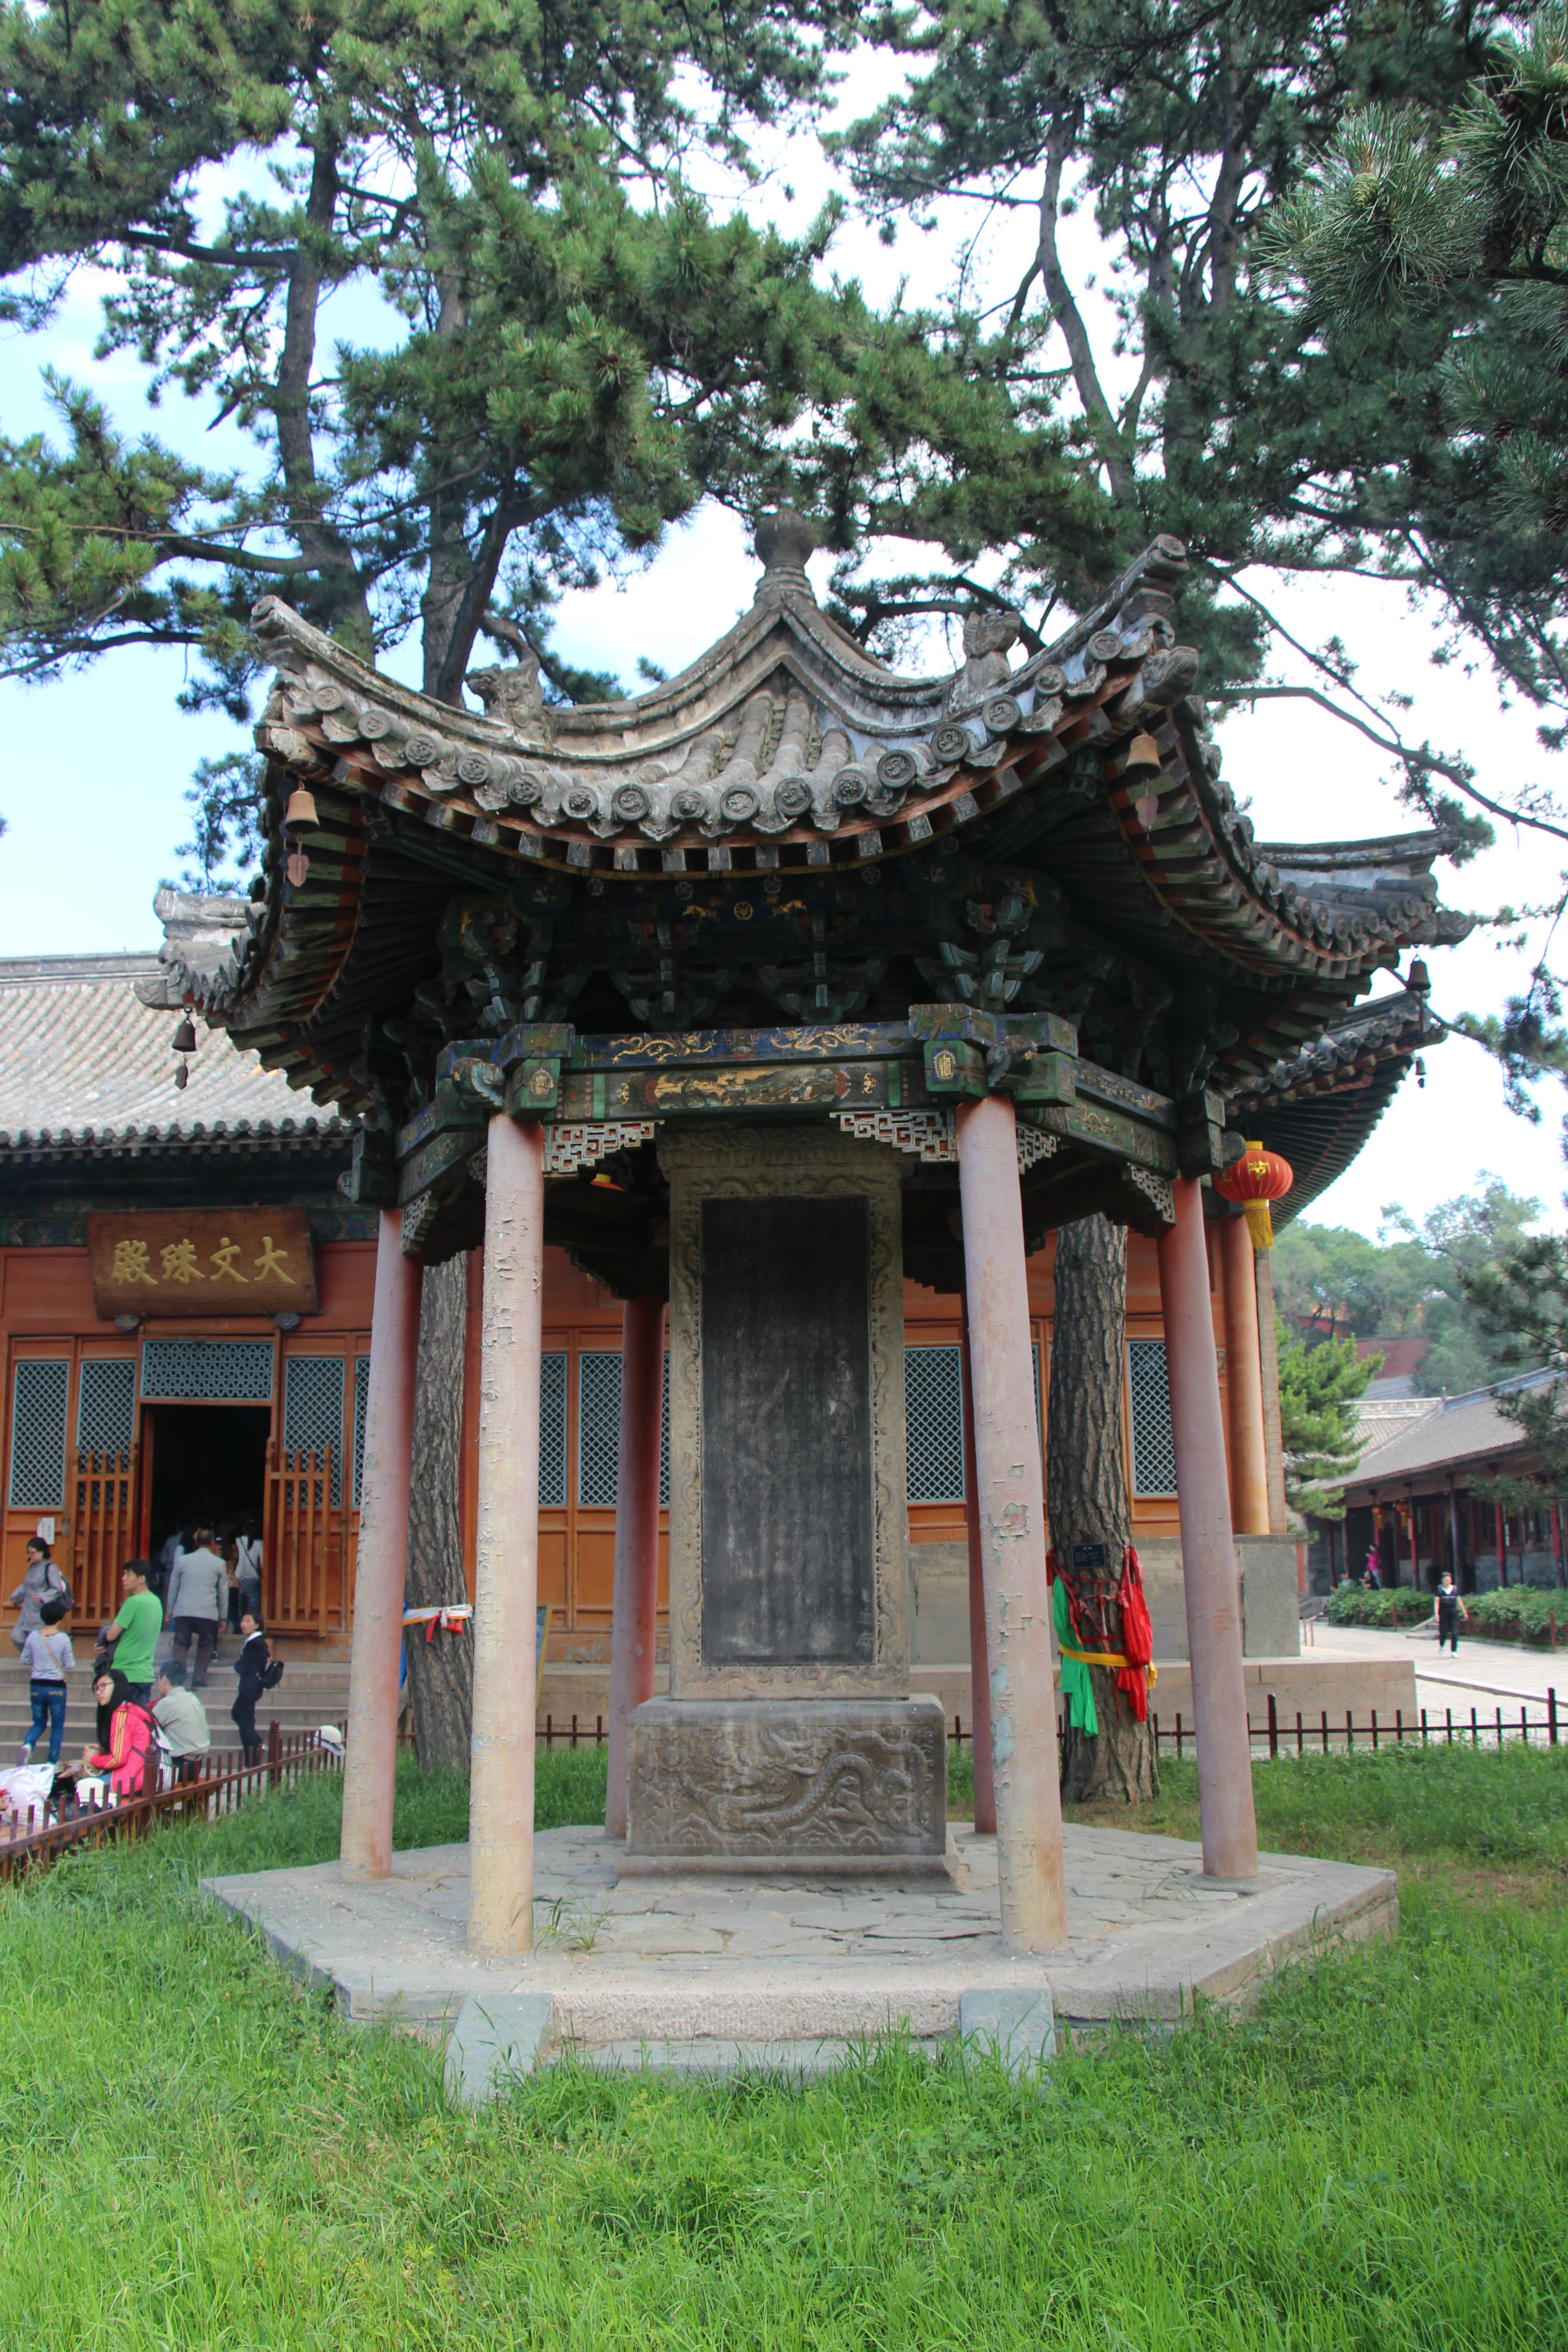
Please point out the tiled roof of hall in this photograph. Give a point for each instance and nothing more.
(87, 1070)
(787, 745)
(787, 750)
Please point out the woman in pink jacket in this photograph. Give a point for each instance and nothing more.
(130, 1737)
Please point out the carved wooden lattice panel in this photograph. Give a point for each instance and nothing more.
(664, 1440)
(39, 1392)
(361, 1401)
(313, 1410)
(1154, 1448)
(553, 1429)
(106, 1405)
(934, 1415)
(216, 1372)
(598, 1429)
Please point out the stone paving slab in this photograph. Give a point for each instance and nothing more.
(636, 1963)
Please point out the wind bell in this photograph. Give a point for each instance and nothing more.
(184, 1042)
(1144, 758)
(299, 817)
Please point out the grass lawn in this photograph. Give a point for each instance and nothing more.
(199, 2156)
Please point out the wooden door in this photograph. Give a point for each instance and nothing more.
(103, 1532)
(303, 1546)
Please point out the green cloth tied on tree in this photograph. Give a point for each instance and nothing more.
(1078, 1687)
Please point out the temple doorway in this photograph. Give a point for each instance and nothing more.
(208, 1465)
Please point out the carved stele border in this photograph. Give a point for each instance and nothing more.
(762, 1163)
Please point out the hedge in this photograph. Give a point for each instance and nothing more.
(1518, 1612)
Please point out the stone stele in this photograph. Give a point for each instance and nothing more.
(790, 1739)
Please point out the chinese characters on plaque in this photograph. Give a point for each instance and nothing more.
(202, 1262)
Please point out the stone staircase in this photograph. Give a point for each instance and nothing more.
(312, 1692)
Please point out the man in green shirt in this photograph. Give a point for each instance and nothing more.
(135, 1631)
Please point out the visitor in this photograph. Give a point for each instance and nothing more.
(251, 1667)
(183, 1719)
(198, 1598)
(134, 1636)
(40, 1579)
(247, 1564)
(124, 1755)
(48, 1657)
(1447, 1611)
(169, 1551)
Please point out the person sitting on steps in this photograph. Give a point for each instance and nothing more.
(183, 1719)
(130, 1741)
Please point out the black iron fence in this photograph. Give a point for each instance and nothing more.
(1302, 1735)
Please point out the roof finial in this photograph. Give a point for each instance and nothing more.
(783, 539)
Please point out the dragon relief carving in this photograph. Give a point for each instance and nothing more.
(758, 1786)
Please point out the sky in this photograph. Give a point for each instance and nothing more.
(92, 787)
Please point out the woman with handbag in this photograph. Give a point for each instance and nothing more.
(253, 1667)
(41, 1582)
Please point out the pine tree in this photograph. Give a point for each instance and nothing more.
(1319, 1388)
(561, 347)
(1240, 429)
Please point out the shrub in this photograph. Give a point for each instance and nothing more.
(1521, 1613)
(1353, 1604)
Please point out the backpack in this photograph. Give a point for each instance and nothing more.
(273, 1674)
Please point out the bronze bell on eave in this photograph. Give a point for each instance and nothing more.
(185, 1037)
(299, 817)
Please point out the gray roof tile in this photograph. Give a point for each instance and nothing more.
(83, 1060)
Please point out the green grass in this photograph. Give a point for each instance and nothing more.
(199, 2156)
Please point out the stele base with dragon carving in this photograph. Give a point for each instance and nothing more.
(816, 1787)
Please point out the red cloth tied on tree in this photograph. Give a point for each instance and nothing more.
(1137, 1635)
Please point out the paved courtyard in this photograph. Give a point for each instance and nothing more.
(679, 1970)
(1484, 1675)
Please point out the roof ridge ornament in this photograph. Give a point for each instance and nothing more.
(783, 539)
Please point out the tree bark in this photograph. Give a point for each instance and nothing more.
(440, 1671)
(1086, 1492)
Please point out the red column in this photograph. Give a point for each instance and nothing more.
(1415, 1548)
(979, 1686)
(506, 1599)
(1501, 1545)
(632, 1636)
(1209, 1575)
(382, 1565)
(1244, 1382)
(1011, 1490)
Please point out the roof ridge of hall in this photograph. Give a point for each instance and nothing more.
(1049, 748)
(124, 963)
(875, 806)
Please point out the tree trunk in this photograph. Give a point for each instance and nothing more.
(1086, 1493)
(440, 1671)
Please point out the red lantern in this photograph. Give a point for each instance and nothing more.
(1254, 1179)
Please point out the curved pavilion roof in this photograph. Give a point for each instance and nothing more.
(976, 834)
